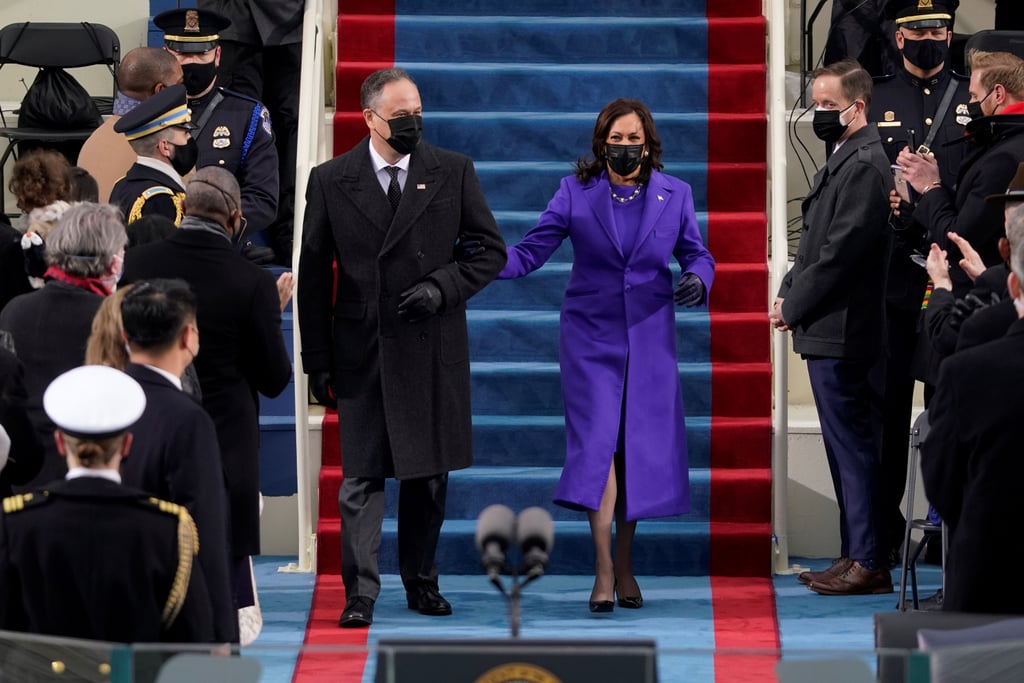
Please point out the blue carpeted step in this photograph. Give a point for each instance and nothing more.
(539, 440)
(473, 489)
(529, 185)
(503, 335)
(561, 8)
(535, 388)
(618, 40)
(277, 455)
(513, 136)
(450, 86)
(661, 548)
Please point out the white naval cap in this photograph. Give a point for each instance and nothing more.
(94, 402)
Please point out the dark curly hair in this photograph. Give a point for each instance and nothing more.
(40, 178)
(587, 167)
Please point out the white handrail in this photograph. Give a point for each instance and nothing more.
(309, 136)
(779, 265)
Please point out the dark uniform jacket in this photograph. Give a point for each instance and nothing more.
(237, 136)
(904, 108)
(50, 327)
(403, 388)
(89, 558)
(242, 354)
(834, 295)
(175, 456)
(144, 191)
(987, 169)
(972, 468)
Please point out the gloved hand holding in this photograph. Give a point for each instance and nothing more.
(261, 256)
(420, 301)
(966, 307)
(321, 385)
(689, 291)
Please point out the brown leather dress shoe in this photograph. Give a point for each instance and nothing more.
(857, 580)
(839, 566)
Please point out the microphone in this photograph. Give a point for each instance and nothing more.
(495, 529)
(536, 536)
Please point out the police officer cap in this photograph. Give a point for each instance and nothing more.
(924, 14)
(165, 109)
(191, 30)
(94, 402)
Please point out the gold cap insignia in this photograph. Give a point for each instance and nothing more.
(924, 4)
(192, 21)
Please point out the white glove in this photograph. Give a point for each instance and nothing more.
(5, 447)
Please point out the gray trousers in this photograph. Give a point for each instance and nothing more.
(421, 504)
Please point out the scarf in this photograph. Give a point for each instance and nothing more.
(89, 284)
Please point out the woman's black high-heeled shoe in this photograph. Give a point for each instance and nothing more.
(602, 605)
(628, 601)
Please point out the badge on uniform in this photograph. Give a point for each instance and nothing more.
(963, 116)
(221, 137)
(265, 116)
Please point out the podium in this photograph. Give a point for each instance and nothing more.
(515, 660)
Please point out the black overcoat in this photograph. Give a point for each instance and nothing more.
(403, 388)
(242, 354)
(972, 468)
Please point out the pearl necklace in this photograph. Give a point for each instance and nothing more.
(623, 200)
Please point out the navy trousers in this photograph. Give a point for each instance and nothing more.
(848, 398)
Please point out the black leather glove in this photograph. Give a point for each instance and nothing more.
(420, 301)
(689, 291)
(966, 307)
(261, 256)
(321, 385)
(465, 249)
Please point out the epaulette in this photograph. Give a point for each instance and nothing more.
(883, 78)
(23, 501)
(135, 213)
(241, 96)
(188, 548)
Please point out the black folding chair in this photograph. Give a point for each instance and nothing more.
(48, 45)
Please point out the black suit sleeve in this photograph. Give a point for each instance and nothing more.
(258, 177)
(12, 611)
(269, 368)
(464, 277)
(944, 455)
(316, 278)
(26, 456)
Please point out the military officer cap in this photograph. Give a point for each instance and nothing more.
(1014, 192)
(94, 402)
(165, 109)
(191, 30)
(924, 14)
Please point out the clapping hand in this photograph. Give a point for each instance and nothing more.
(689, 291)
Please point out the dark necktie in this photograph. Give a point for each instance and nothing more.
(394, 189)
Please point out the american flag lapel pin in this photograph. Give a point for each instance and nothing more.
(421, 186)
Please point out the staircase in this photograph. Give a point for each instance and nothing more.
(517, 86)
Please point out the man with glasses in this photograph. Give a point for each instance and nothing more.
(158, 132)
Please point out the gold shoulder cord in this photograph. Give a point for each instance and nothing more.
(140, 202)
(188, 547)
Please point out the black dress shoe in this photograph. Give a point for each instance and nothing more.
(602, 605)
(428, 600)
(358, 613)
(629, 601)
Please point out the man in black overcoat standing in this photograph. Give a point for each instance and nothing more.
(391, 341)
(244, 354)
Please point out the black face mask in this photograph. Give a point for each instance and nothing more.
(406, 132)
(198, 77)
(624, 159)
(184, 159)
(974, 108)
(828, 125)
(925, 54)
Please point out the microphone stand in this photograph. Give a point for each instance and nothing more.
(514, 595)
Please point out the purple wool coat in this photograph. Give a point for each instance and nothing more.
(618, 334)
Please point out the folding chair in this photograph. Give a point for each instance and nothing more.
(918, 434)
(56, 45)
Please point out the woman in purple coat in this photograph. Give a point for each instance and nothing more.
(625, 430)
